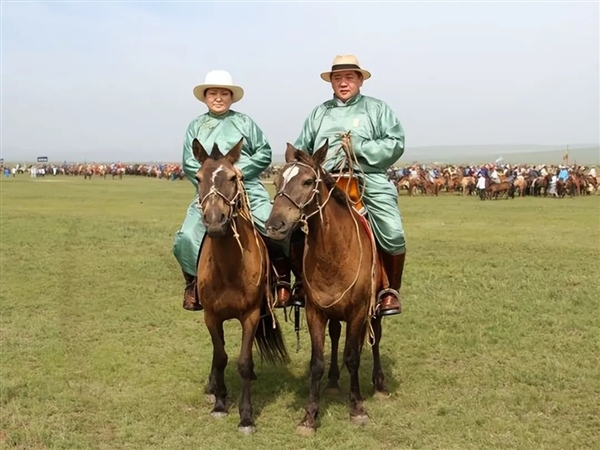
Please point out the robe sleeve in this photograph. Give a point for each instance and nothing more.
(387, 148)
(190, 165)
(260, 153)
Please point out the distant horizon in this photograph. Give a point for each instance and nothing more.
(427, 153)
(433, 148)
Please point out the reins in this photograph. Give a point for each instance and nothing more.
(239, 206)
(350, 160)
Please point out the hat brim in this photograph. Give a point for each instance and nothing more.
(326, 76)
(237, 91)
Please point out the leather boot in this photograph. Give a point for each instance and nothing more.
(283, 285)
(190, 301)
(389, 299)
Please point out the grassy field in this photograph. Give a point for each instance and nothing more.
(498, 346)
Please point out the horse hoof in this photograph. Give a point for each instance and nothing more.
(210, 399)
(332, 390)
(362, 419)
(381, 395)
(218, 414)
(247, 430)
(304, 431)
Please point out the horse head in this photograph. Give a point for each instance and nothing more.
(219, 187)
(299, 188)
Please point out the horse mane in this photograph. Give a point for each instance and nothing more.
(336, 193)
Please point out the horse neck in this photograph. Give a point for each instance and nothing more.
(229, 245)
(335, 234)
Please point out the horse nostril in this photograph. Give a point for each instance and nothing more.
(277, 225)
(222, 219)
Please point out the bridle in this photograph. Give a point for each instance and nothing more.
(314, 195)
(239, 206)
(234, 204)
(346, 144)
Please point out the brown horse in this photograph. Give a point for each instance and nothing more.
(493, 190)
(520, 185)
(233, 274)
(340, 272)
(504, 188)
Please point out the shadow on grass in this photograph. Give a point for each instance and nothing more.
(300, 385)
(272, 381)
(280, 380)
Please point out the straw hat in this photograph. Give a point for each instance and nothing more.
(342, 63)
(218, 79)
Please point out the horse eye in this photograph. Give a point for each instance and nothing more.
(232, 177)
(308, 182)
(199, 179)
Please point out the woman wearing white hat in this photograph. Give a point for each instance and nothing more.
(225, 127)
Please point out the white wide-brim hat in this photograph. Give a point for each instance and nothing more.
(219, 79)
(342, 63)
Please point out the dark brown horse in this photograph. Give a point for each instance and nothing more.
(494, 190)
(341, 274)
(233, 274)
(506, 189)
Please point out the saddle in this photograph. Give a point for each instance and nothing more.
(351, 186)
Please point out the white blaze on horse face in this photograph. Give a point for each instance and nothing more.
(214, 174)
(288, 174)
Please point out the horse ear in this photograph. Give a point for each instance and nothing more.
(234, 154)
(199, 152)
(319, 156)
(216, 153)
(290, 153)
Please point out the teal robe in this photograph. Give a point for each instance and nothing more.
(378, 142)
(226, 131)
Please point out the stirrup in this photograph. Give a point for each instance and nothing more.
(387, 291)
(387, 312)
(282, 284)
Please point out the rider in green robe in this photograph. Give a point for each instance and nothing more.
(378, 142)
(225, 127)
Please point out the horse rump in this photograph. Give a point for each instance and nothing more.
(269, 339)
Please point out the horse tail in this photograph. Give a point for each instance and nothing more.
(269, 338)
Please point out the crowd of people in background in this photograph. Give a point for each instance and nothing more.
(523, 179)
(420, 176)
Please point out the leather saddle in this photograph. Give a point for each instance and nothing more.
(352, 186)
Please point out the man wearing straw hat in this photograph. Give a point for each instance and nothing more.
(378, 142)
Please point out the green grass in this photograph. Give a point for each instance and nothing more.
(498, 345)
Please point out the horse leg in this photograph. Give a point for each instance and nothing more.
(219, 362)
(355, 334)
(378, 377)
(335, 330)
(246, 371)
(316, 326)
